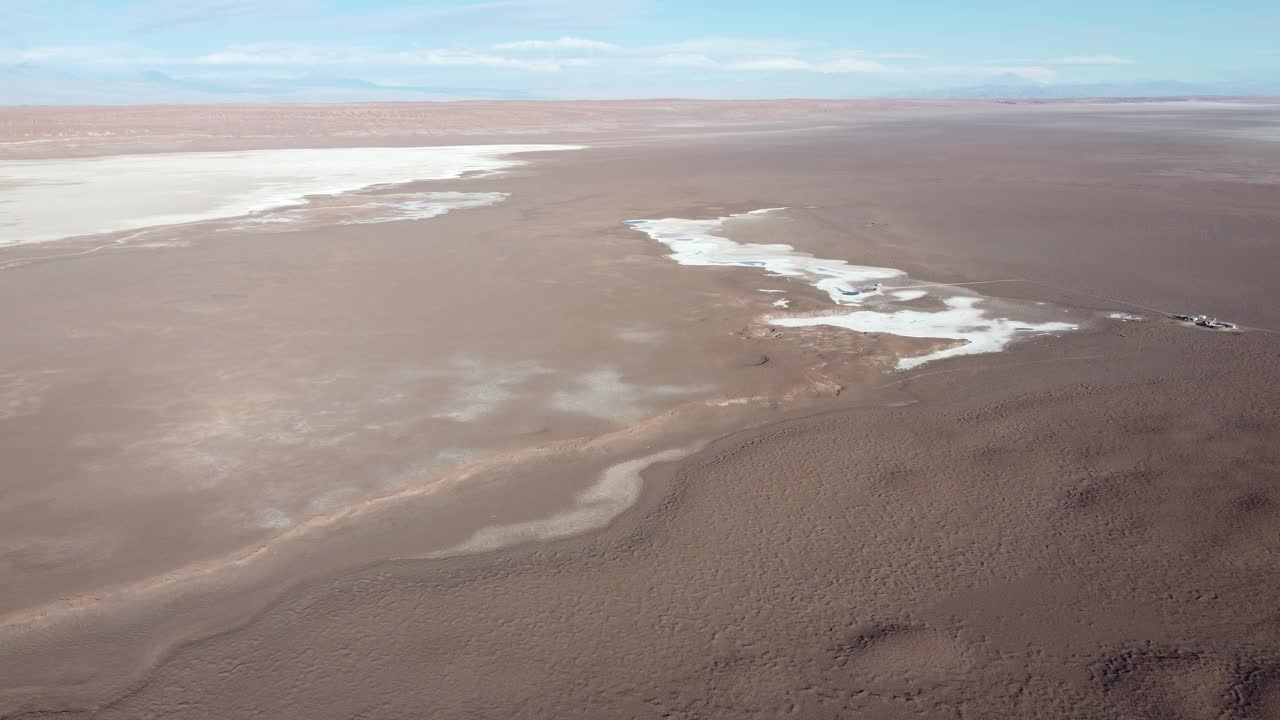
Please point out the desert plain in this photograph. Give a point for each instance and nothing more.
(663, 409)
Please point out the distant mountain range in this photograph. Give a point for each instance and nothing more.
(1015, 88)
(30, 85)
(27, 84)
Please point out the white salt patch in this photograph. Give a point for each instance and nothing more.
(603, 393)
(905, 295)
(961, 321)
(433, 465)
(1125, 317)
(332, 499)
(482, 388)
(1269, 133)
(781, 303)
(284, 218)
(121, 192)
(273, 519)
(23, 394)
(700, 242)
(739, 401)
(640, 335)
(474, 401)
(163, 244)
(696, 242)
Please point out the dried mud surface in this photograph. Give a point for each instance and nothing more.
(1027, 554)
(1081, 526)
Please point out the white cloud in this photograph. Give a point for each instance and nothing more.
(774, 63)
(1092, 60)
(559, 45)
(156, 15)
(265, 55)
(831, 66)
(853, 65)
(692, 60)
(1035, 73)
(40, 54)
(463, 58)
(551, 56)
(514, 15)
(287, 55)
(733, 46)
(88, 55)
(898, 56)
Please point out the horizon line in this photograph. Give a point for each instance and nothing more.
(671, 98)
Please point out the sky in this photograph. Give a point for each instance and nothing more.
(127, 51)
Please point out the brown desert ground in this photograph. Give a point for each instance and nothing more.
(513, 462)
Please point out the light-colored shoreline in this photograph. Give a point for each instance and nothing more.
(130, 192)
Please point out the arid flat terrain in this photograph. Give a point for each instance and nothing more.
(518, 458)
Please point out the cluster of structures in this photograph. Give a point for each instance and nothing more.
(1205, 321)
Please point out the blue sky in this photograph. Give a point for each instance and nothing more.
(192, 50)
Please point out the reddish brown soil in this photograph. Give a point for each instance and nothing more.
(1079, 527)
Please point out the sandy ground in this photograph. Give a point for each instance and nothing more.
(247, 474)
(44, 132)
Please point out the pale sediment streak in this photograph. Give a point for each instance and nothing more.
(965, 317)
(424, 206)
(617, 489)
(124, 192)
(614, 492)
(366, 209)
